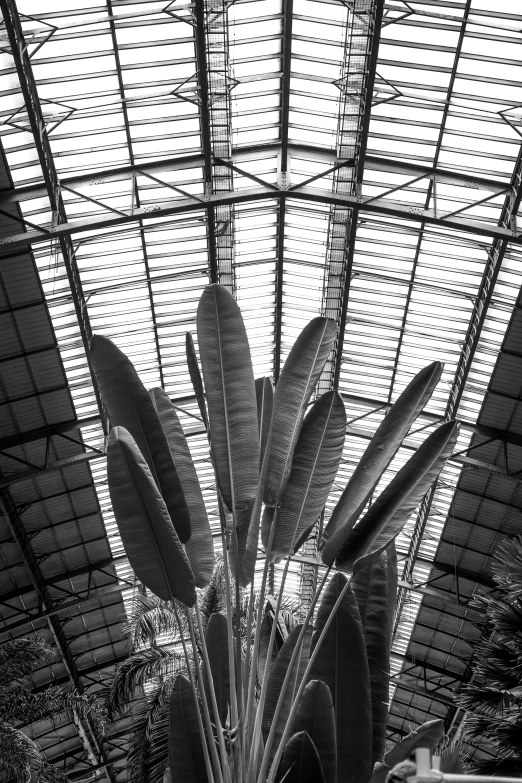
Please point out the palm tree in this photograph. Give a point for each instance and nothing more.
(20, 757)
(494, 698)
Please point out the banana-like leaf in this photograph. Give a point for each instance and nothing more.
(200, 547)
(147, 532)
(265, 405)
(294, 388)
(186, 758)
(316, 459)
(426, 736)
(275, 684)
(217, 646)
(266, 629)
(129, 406)
(195, 377)
(370, 587)
(316, 716)
(380, 452)
(300, 762)
(293, 391)
(393, 580)
(231, 397)
(341, 663)
(395, 505)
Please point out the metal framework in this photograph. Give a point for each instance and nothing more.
(360, 160)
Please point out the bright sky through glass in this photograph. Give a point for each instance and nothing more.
(118, 83)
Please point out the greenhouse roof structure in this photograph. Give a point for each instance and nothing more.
(357, 159)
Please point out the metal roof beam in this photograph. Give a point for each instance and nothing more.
(185, 206)
(20, 54)
(356, 83)
(185, 162)
(283, 174)
(66, 576)
(42, 433)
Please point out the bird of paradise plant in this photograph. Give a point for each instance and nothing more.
(316, 710)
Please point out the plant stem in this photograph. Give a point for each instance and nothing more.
(279, 705)
(208, 765)
(266, 673)
(252, 683)
(204, 702)
(217, 719)
(230, 633)
(303, 682)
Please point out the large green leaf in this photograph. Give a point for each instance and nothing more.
(342, 664)
(200, 547)
(149, 538)
(217, 646)
(265, 405)
(395, 505)
(195, 377)
(316, 459)
(186, 758)
(293, 391)
(426, 736)
(315, 714)
(275, 684)
(300, 761)
(370, 587)
(378, 455)
(231, 398)
(266, 629)
(129, 406)
(393, 583)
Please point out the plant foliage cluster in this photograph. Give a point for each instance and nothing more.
(494, 697)
(20, 758)
(252, 696)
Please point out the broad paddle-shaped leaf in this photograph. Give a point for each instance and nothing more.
(370, 586)
(316, 459)
(300, 762)
(342, 664)
(231, 397)
(217, 646)
(426, 736)
(315, 715)
(294, 388)
(378, 455)
(130, 406)
(395, 505)
(275, 684)
(147, 532)
(185, 743)
(195, 377)
(265, 405)
(200, 548)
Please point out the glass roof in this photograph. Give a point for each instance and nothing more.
(277, 147)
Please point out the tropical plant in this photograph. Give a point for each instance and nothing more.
(494, 697)
(142, 684)
(244, 713)
(20, 757)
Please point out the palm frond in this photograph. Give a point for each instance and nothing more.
(21, 707)
(499, 767)
(148, 618)
(19, 657)
(148, 738)
(487, 700)
(139, 668)
(507, 565)
(20, 759)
